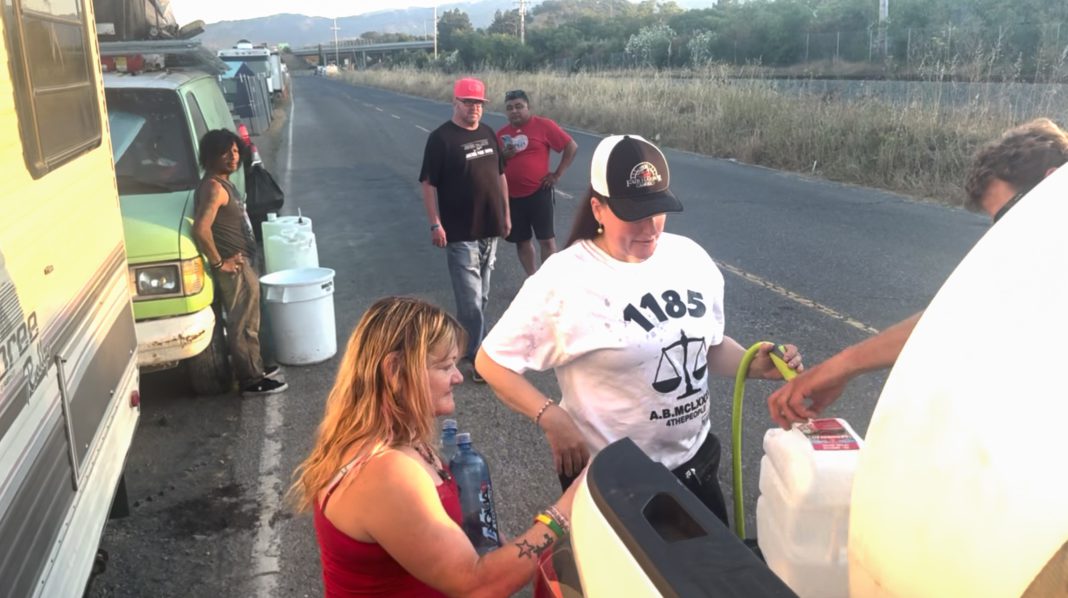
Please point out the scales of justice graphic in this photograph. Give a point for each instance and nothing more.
(684, 370)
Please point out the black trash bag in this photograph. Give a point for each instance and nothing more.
(263, 195)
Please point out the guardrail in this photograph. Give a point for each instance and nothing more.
(350, 45)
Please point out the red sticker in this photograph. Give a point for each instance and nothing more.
(829, 435)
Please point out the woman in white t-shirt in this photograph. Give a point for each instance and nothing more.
(631, 320)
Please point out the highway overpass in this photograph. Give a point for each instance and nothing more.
(357, 50)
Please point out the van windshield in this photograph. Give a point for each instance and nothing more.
(160, 156)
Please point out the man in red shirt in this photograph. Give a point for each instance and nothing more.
(525, 142)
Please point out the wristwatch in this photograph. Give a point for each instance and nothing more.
(434, 227)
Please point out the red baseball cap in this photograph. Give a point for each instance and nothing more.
(469, 89)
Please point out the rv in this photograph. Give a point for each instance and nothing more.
(257, 59)
(69, 401)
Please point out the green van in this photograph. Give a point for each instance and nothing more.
(157, 119)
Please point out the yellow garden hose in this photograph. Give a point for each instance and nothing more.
(736, 423)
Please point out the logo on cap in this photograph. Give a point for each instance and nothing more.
(643, 175)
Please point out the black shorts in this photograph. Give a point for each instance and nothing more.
(700, 475)
(533, 212)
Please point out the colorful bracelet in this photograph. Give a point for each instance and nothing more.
(559, 518)
(537, 418)
(551, 523)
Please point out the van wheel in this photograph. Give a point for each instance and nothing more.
(209, 372)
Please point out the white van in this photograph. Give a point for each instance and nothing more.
(69, 402)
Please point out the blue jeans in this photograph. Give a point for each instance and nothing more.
(470, 266)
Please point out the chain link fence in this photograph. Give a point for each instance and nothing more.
(1020, 48)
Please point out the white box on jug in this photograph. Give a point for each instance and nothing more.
(806, 478)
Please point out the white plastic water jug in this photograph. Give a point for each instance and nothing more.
(284, 247)
(806, 477)
(289, 250)
(275, 224)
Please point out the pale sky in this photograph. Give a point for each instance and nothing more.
(211, 11)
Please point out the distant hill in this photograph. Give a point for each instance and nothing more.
(300, 30)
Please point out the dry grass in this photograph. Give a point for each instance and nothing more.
(920, 150)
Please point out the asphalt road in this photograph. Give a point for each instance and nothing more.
(806, 261)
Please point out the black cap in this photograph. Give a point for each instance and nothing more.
(633, 175)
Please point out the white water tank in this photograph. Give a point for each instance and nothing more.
(806, 478)
(961, 488)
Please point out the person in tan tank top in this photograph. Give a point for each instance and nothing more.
(224, 236)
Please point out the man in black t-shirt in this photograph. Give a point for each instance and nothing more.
(466, 200)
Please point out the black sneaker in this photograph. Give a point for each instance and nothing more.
(274, 372)
(263, 388)
(477, 377)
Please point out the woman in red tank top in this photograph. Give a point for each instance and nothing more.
(386, 510)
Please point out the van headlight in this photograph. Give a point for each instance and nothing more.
(152, 281)
(173, 279)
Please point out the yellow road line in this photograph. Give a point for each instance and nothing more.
(797, 298)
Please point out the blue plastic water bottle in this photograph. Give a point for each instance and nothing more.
(476, 496)
(448, 440)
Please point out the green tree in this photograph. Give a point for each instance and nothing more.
(450, 24)
(700, 47)
(506, 22)
(651, 46)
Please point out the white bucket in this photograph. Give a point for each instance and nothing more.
(300, 308)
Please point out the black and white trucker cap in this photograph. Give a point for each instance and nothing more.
(633, 174)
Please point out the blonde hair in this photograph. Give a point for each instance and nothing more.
(373, 408)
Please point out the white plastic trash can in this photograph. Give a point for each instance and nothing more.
(300, 308)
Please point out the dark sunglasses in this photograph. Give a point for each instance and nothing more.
(515, 94)
(470, 102)
(1008, 205)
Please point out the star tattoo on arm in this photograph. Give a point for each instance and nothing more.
(526, 549)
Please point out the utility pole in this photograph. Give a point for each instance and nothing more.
(523, 22)
(337, 58)
(435, 30)
(884, 16)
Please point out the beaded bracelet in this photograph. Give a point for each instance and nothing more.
(551, 523)
(537, 418)
(559, 518)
